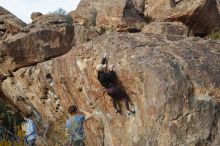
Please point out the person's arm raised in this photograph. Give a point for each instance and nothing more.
(88, 115)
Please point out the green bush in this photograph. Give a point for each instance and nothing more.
(59, 11)
(69, 19)
(214, 35)
(63, 13)
(9, 116)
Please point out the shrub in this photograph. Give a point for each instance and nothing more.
(59, 11)
(214, 35)
(69, 19)
(62, 12)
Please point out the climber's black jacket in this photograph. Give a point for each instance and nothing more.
(107, 79)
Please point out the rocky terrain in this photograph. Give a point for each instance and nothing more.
(171, 76)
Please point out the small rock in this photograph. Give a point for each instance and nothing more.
(36, 16)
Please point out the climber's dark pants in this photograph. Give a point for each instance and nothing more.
(116, 93)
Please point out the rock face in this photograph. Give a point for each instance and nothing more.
(167, 28)
(174, 87)
(117, 15)
(9, 23)
(85, 33)
(218, 5)
(49, 37)
(173, 81)
(200, 16)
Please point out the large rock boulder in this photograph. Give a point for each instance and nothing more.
(48, 37)
(85, 33)
(166, 28)
(117, 15)
(9, 23)
(200, 16)
(174, 87)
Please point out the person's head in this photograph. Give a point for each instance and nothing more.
(27, 116)
(101, 67)
(72, 109)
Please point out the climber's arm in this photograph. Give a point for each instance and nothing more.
(104, 59)
(88, 115)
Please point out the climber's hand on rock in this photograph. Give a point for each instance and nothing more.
(88, 115)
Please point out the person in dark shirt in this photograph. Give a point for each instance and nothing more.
(108, 80)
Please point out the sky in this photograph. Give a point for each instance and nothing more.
(23, 8)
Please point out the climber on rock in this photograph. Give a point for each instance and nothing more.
(74, 125)
(108, 80)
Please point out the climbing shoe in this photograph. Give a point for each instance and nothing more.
(130, 113)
